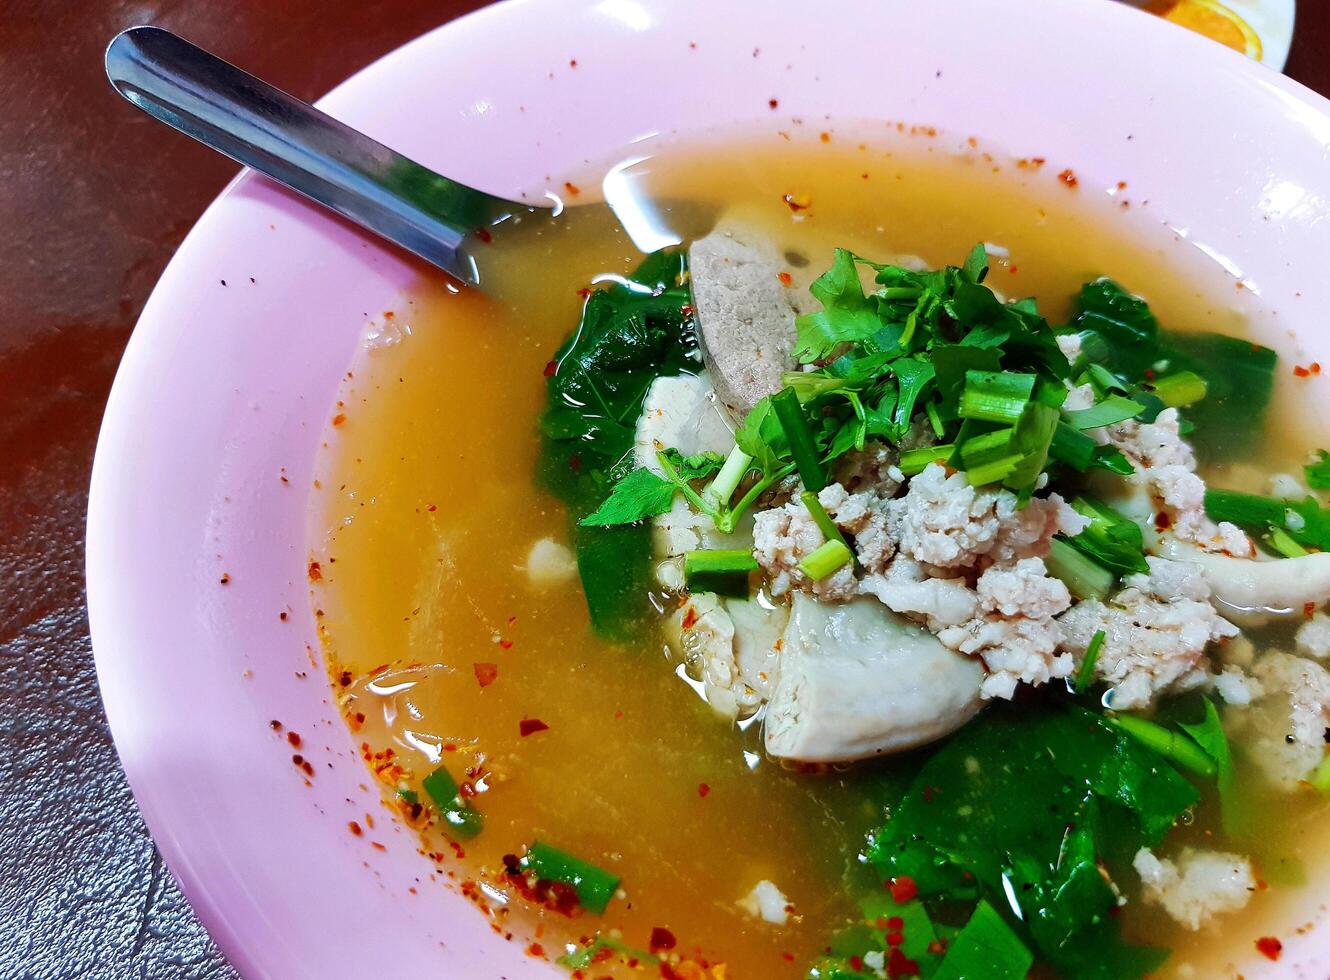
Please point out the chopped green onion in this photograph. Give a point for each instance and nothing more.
(1072, 446)
(915, 461)
(820, 563)
(935, 419)
(821, 518)
(1109, 411)
(1248, 509)
(995, 396)
(1085, 676)
(1180, 388)
(1000, 469)
(1050, 393)
(722, 571)
(595, 886)
(459, 817)
(1032, 438)
(1174, 746)
(1282, 544)
(1112, 459)
(1102, 380)
(1084, 577)
(730, 476)
(987, 448)
(409, 795)
(803, 447)
(589, 955)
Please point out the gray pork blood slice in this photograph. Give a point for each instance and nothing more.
(858, 681)
(745, 314)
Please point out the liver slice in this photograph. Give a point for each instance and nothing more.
(745, 314)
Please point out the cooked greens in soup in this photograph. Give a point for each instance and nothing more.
(906, 574)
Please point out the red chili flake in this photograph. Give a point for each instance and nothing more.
(572, 63)
(484, 235)
(1037, 162)
(703, 789)
(529, 726)
(1068, 177)
(354, 828)
(857, 964)
(506, 644)
(1315, 367)
(1269, 947)
(895, 924)
(930, 792)
(825, 137)
(535, 949)
(797, 202)
(282, 616)
(937, 947)
(903, 889)
(226, 578)
(774, 103)
(571, 188)
(1308, 608)
(344, 678)
(900, 965)
(485, 673)
(315, 571)
(275, 725)
(449, 747)
(575, 462)
(1163, 521)
(294, 739)
(1300, 371)
(785, 278)
(550, 368)
(895, 938)
(689, 618)
(662, 939)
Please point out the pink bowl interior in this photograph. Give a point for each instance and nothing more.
(228, 381)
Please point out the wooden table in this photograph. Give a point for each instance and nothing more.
(94, 197)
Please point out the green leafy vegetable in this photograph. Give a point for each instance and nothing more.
(630, 334)
(595, 886)
(1112, 540)
(1022, 808)
(1304, 521)
(1317, 474)
(985, 949)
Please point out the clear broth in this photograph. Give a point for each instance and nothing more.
(429, 507)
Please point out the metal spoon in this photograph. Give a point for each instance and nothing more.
(263, 128)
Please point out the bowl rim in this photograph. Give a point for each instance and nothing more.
(112, 496)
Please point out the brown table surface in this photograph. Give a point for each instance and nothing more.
(94, 197)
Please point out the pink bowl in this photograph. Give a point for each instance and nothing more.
(228, 381)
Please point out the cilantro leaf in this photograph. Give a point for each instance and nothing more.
(847, 316)
(639, 495)
(696, 466)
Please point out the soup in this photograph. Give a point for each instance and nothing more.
(459, 639)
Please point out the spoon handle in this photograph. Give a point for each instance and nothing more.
(262, 127)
